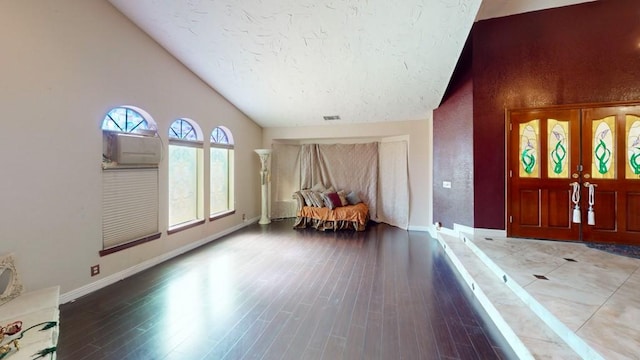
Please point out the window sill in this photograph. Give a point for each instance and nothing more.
(220, 215)
(184, 226)
(130, 244)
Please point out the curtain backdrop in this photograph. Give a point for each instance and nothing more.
(377, 172)
(285, 179)
(393, 184)
(349, 167)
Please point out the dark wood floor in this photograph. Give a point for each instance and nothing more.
(271, 292)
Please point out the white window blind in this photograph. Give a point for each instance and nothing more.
(129, 205)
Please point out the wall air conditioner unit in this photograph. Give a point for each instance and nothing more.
(130, 149)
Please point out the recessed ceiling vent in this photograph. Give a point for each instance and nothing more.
(331, 117)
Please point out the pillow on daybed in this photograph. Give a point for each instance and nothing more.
(306, 195)
(332, 200)
(343, 197)
(317, 199)
(353, 198)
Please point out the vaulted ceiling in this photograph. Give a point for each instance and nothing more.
(292, 62)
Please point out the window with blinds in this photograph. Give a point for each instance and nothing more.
(130, 205)
(129, 193)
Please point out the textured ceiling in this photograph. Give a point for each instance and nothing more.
(291, 62)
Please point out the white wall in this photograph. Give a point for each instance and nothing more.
(64, 64)
(418, 133)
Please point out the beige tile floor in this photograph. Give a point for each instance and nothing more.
(597, 296)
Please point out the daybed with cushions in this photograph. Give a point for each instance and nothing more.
(327, 209)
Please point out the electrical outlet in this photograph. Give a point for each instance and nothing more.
(95, 270)
(244, 217)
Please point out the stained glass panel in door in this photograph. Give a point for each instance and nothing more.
(604, 148)
(558, 148)
(632, 135)
(529, 149)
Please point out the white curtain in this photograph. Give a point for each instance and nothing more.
(393, 184)
(377, 172)
(349, 167)
(285, 179)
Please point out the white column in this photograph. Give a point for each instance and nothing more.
(264, 180)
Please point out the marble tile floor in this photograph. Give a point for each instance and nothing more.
(584, 303)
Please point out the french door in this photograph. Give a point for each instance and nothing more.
(574, 174)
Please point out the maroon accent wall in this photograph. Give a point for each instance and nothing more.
(583, 53)
(453, 155)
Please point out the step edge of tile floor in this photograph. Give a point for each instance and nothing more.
(573, 340)
(523, 344)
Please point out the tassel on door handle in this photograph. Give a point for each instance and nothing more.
(575, 198)
(591, 215)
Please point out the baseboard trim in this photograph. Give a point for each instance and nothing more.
(420, 228)
(490, 233)
(463, 229)
(111, 279)
(479, 231)
(448, 231)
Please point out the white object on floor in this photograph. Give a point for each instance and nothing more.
(34, 309)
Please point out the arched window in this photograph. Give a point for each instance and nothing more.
(221, 171)
(185, 174)
(128, 120)
(129, 183)
(219, 136)
(122, 127)
(183, 130)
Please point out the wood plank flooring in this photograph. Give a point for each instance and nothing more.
(271, 292)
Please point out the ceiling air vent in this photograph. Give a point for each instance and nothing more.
(331, 117)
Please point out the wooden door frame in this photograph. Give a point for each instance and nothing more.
(620, 186)
(548, 187)
(507, 123)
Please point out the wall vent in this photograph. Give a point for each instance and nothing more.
(331, 117)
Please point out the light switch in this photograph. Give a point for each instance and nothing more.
(446, 184)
